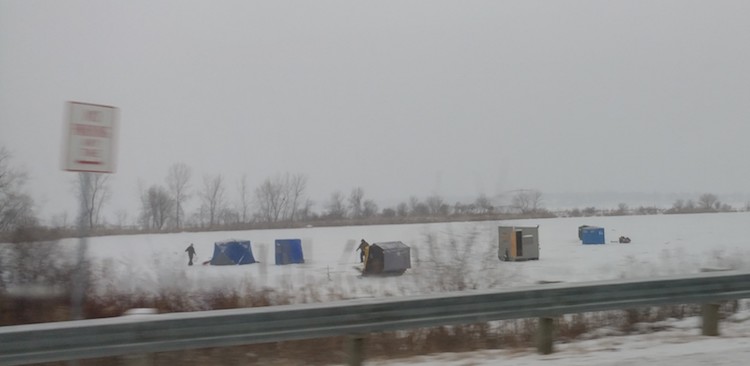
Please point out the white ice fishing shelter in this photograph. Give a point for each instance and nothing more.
(516, 243)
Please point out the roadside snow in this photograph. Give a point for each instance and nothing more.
(680, 344)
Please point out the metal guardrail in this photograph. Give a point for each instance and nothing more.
(176, 331)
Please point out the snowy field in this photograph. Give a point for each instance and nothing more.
(442, 255)
(446, 254)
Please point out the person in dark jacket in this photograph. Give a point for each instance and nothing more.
(191, 253)
(363, 249)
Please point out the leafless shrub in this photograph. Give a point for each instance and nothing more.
(450, 262)
(36, 281)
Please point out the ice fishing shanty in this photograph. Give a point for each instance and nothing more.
(288, 251)
(232, 252)
(516, 243)
(591, 234)
(391, 258)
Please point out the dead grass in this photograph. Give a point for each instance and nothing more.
(510, 334)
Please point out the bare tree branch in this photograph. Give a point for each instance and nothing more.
(213, 197)
(178, 181)
(98, 194)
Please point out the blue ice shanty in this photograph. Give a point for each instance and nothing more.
(289, 251)
(232, 252)
(591, 234)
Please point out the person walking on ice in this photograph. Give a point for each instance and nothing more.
(191, 253)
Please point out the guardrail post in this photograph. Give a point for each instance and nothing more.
(355, 351)
(140, 359)
(710, 319)
(544, 336)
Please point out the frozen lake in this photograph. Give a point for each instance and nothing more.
(445, 256)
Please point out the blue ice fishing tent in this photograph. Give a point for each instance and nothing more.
(289, 251)
(232, 252)
(591, 234)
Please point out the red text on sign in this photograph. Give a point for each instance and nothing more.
(91, 131)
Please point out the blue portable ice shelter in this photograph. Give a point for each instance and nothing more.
(232, 252)
(289, 251)
(591, 235)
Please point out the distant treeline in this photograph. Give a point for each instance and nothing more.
(280, 201)
(413, 213)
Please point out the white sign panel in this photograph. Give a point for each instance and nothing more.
(91, 138)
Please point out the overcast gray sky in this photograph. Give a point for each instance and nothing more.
(401, 98)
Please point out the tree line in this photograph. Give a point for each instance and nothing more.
(280, 200)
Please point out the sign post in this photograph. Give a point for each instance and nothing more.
(90, 146)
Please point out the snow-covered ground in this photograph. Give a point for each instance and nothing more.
(449, 255)
(661, 245)
(680, 344)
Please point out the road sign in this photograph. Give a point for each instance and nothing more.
(90, 146)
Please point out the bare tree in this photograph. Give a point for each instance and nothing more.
(16, 207)
(143, 219)
(402, 209)
(724, 207)
(305, 212)
(418, 208)
(244, 203)
(98, 193)
(156, 207)
(228, 216)
(461, 209)
(536, 200)
(355, 202)
(589, 211)
(527, 201)
(178, 181)
(213, 198)
(282, 198)
(369, 209)
(271, 199)
(484, 204)
(436, 206)
(297, 184)
(335, 208)
(708, 202)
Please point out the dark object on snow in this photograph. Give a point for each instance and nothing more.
(191, 253)
(232, 252)
(518, 243)
(391, 258)
(624, 240)
(591, 234)
(289, 251)
(363, 248)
